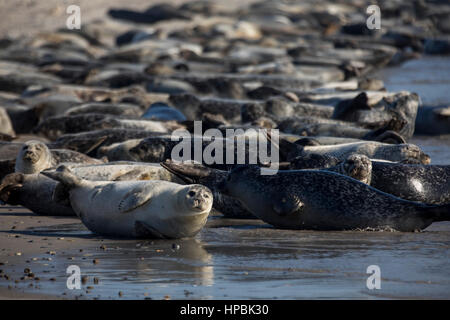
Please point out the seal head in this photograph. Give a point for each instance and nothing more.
(33, 157)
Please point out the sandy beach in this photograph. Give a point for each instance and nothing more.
(229, 258)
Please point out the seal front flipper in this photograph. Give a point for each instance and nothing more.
(135, 198)
(287, 205)
(143, 230)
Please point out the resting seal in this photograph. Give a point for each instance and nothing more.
(429, 184)
(34, 192)
(323, 200)
(374, 150)
(35, 156)
(209, 177)
(154, 209)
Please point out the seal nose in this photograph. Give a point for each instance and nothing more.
(28, 154)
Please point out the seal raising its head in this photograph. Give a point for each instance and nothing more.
(34, 157)
(150, 209)
(357, 166)
(323, 200)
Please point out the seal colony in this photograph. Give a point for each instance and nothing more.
(89, 119)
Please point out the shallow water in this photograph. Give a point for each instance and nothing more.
(248, 259)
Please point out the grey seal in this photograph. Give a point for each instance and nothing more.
(88, 142)
(155, 209)
(323, 200)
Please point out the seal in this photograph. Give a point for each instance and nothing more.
(372, 149)
(358, 167)
(149, 209)
(323, 200)
(8, 154)
(124, 171)
(119, 109)
(429, 184)
(6, 127)
(35, 156)
(88, 142)
(313, 126)
(209, 177)
(34, 192)
(119, 151)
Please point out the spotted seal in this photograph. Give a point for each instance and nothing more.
(155, 209)
(323, 200)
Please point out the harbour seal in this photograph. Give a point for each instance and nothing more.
(124, 171)
(372, 149)
(357, 166)
(88, 142)
(313, 126)
(54, 127)
(156, 209)
(422, 183)
(34, 192)
(209, 177)
(323, 200)
(35, 156)
(119, 109)
(119, 151)
(6, 127)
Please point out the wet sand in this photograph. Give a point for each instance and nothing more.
(229, 259)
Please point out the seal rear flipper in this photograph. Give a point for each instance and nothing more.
(287, 205)
(10, 184)
(385, 136)
(189, 173)
(286, 149)
(136, 197)
(143, 230)
(63, 175)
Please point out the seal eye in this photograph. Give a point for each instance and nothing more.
(191, 193)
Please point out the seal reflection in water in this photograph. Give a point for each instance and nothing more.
(323, 200)
(136, 209)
